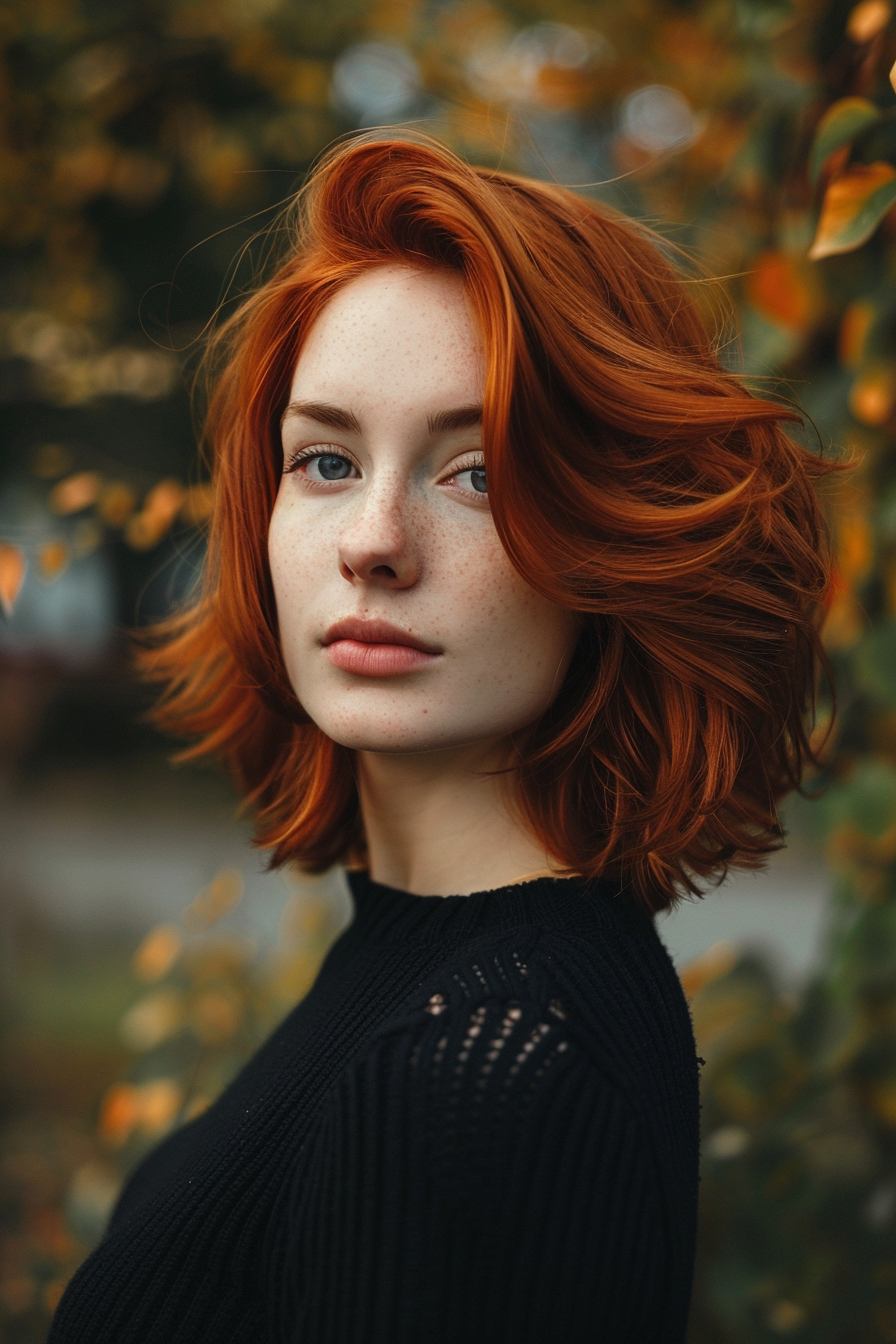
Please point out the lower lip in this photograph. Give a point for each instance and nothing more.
(377, 660)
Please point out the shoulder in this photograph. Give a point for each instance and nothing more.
(476, 1142)
(510, 1017)
(473, 1092)
(610, 995)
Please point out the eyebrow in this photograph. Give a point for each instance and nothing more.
(334, 417)
(463, 417)
(331, 416)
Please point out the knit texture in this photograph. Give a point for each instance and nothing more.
(481, 1124)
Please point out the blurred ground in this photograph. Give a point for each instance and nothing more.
(112, 848)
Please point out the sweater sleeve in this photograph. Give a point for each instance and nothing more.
(474, 1177)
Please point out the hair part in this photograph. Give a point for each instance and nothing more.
(632, 479)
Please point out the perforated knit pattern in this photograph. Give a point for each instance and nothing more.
(481, 1124)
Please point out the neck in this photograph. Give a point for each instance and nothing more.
(438, 824)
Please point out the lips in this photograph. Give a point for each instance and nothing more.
(376, 632)
(376, 648)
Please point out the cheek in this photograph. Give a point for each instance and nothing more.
(290, 562)
(529, 639)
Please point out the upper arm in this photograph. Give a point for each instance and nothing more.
(474, 1176)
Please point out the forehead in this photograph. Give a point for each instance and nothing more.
(392, 335)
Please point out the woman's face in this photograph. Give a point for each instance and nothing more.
(403, 625)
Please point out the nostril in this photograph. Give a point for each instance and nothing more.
(385, 571)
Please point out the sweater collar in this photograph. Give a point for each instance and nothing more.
(386, 914)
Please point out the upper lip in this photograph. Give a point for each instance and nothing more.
(376, 632)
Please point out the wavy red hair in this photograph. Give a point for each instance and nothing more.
(632, 479)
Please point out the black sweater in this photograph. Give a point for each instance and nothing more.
(480, 1125)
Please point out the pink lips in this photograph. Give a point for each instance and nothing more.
(376, 648)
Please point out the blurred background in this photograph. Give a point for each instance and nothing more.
(146, 147)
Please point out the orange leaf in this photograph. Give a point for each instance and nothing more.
(164, 500)
(853, 206)
(873, 395)
(777, 289)
(867, 20)
(119, 1111)
(143, 531)
(12, 575)
(75, 492)
(855, 547)
(854, 328)
(53, 559)
(158, 952)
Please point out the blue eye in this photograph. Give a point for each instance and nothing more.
(321, 467)
(476, 481)
(333, 468)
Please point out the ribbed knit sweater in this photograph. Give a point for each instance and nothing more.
(480, 1125)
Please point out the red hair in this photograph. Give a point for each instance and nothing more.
(631, 478)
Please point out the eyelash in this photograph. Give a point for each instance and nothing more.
(474, 462)
(307, 454)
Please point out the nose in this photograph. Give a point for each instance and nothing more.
(378, 545)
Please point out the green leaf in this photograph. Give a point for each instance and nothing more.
(853, 206)
(876, 665)
(840, 124)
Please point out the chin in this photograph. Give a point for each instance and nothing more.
(390, 739)
(404, 730)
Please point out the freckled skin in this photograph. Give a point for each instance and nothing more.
(401, 540)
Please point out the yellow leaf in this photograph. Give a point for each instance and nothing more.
(152, 1020)
(158, 952)
(712, 965)
(854, 204)
(75, 492)
(215, 1017)
(218, 959)
(221, 895)
(727, 1142)
(159, 1102)
(197, 505)
(116, 503)
(12, 575)
(867, 20)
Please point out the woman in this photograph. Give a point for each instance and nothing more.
(511, 601)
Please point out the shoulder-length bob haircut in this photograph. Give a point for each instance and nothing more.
(632, 479)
